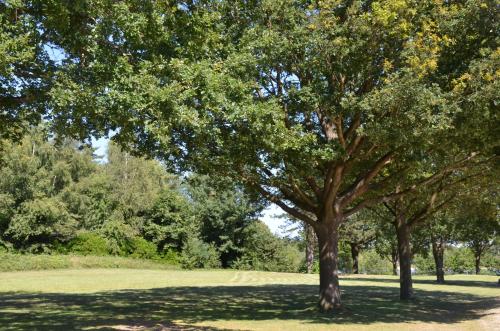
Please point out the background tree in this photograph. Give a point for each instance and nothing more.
(358, 232)
(224, 211)
(311, 247)
(170, 221)
(264, 251)
(477, 225)
(34, 176)
(439, 232)
(408, 212)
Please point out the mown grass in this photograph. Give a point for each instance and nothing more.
(107, 299)
(26, 262)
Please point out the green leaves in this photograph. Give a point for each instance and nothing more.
(40, 222)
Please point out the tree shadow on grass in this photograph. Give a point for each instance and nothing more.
(179, 308)
(466, 283)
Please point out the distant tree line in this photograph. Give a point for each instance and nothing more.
(464, 238)
(63, 199)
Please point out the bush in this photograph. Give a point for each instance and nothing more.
(39, 223)
(459, 260)
(264, 251)
(425, 265)
(491, 260)
(371, 263)
(143, 249)
(198, 254)
(170, 257)
(315, 266)
(344, 258)
(88, 243)
(118, 234)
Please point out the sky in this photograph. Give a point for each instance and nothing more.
(270, 215)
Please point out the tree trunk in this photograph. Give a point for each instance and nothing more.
(404, 252)
(438, 253)
(477, 258)
(355, 257)
(309, 248)
(329, 290)
(394, 261)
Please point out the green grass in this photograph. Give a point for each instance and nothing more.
(25, 262)
(107, 299)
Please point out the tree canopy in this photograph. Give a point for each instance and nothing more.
(321, 107)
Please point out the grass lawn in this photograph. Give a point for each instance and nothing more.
(126, 299)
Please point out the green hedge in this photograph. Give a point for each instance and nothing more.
(22, 262)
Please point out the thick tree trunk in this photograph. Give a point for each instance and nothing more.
(394, 261)
(404, 252)
(477, 258)
(438, 253)
(355, 257)
(309, 249)
(329, 290)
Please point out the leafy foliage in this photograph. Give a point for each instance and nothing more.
(198, 254)
(263, 251)
(88, 243)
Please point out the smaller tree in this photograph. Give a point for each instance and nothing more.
(477, 225)
(386, 244)
(358, 232)
(437, 232)
(265, 251)
(39, 223)
(170, 221)
(222, 210)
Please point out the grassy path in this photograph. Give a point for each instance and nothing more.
(126, 299)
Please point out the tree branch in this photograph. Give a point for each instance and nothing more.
(361, 185)
(353, 127)
(312, 184)
(290, 210)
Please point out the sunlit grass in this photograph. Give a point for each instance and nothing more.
(245, 300)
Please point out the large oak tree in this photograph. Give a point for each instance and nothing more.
(312, 104)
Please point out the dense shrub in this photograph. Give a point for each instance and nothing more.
(143, 249)
(198, 254)
(39, 223)
(344, 258)
(425, 265)
(459, 260)
(170, 221)
(371, 263)
(170, 257)
(491, 260)
(118, 234)
(264, 251)
(88, 243)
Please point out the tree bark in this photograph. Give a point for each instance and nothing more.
(309, 248)
(394, 261)
(404, 252)
(477, 258)
(355, 257)
(438, 253)
(329, 290)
